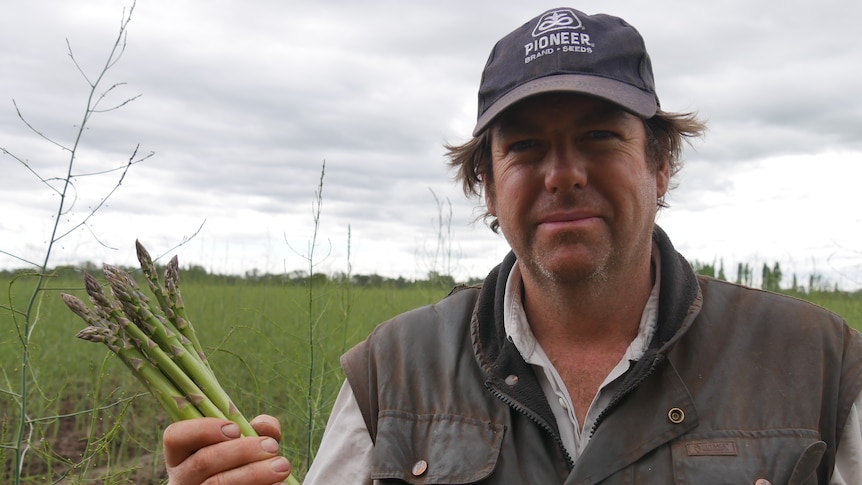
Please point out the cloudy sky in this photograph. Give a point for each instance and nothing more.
(242, 102)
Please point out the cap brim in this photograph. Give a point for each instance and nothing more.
(629, 97)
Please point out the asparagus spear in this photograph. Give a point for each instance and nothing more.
(175, 300)
(172, 400)
(135, 336)
(169, 298)
(135, 305)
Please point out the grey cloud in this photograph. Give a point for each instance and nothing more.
(242, 102)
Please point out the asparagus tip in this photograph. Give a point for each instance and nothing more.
(144, 258)
(95, 334)
(73, 302)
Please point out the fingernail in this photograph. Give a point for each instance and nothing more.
(231, 430)
(269, 445)
(280, 465)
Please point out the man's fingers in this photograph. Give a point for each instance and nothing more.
(185, 438)
(266, 425)
(212, 450)
(252, 460)
(265, 472)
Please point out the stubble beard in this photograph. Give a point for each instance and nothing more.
(591, 278)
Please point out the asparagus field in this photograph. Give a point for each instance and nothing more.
(94, 421)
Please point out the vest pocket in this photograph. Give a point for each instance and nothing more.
(781, 456)
(438, 448)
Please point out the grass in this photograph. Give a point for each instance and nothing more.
(255, 335)
(848, 305)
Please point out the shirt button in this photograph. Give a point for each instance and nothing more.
(563, 404)
(419, 468)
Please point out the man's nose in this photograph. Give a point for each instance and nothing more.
(566, 169)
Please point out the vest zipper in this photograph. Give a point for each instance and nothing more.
(625, 392)
(534, 418)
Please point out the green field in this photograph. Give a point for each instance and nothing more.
(256, 335)
(90, 419)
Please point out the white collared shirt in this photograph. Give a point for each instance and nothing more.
(574, 435)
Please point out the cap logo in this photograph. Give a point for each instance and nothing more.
(556, 20)
(557, 31)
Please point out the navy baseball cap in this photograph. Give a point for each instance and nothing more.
(565, 50)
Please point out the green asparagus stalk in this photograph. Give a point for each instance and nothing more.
(175, 300)
(169, 299)
(148, 268)
(172, 400)
(168, 367)
(158, 343)
(161, 331)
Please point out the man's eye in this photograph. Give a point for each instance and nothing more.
(522, 145)
(601, 135)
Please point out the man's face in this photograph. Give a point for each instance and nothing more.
(572, 189)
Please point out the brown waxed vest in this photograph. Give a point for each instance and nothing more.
(738, 385)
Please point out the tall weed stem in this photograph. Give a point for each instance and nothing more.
(27, 320)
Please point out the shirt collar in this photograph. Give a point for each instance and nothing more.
(518, 329)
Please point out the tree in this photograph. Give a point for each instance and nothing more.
(703, 268)
(771, 277)
(743, 274)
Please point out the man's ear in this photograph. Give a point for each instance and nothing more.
(662, 179)
(488, 190)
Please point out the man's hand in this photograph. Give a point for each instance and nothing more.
(211, 450)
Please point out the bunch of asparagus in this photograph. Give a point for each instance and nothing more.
(157, 342)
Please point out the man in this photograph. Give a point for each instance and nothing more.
(592, 354)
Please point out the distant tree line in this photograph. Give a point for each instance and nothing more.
(199, 274)
(771, 277)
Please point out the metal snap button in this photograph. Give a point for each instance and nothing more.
(762, 481)
(419, 468)
(676, 415)
(512, 380)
